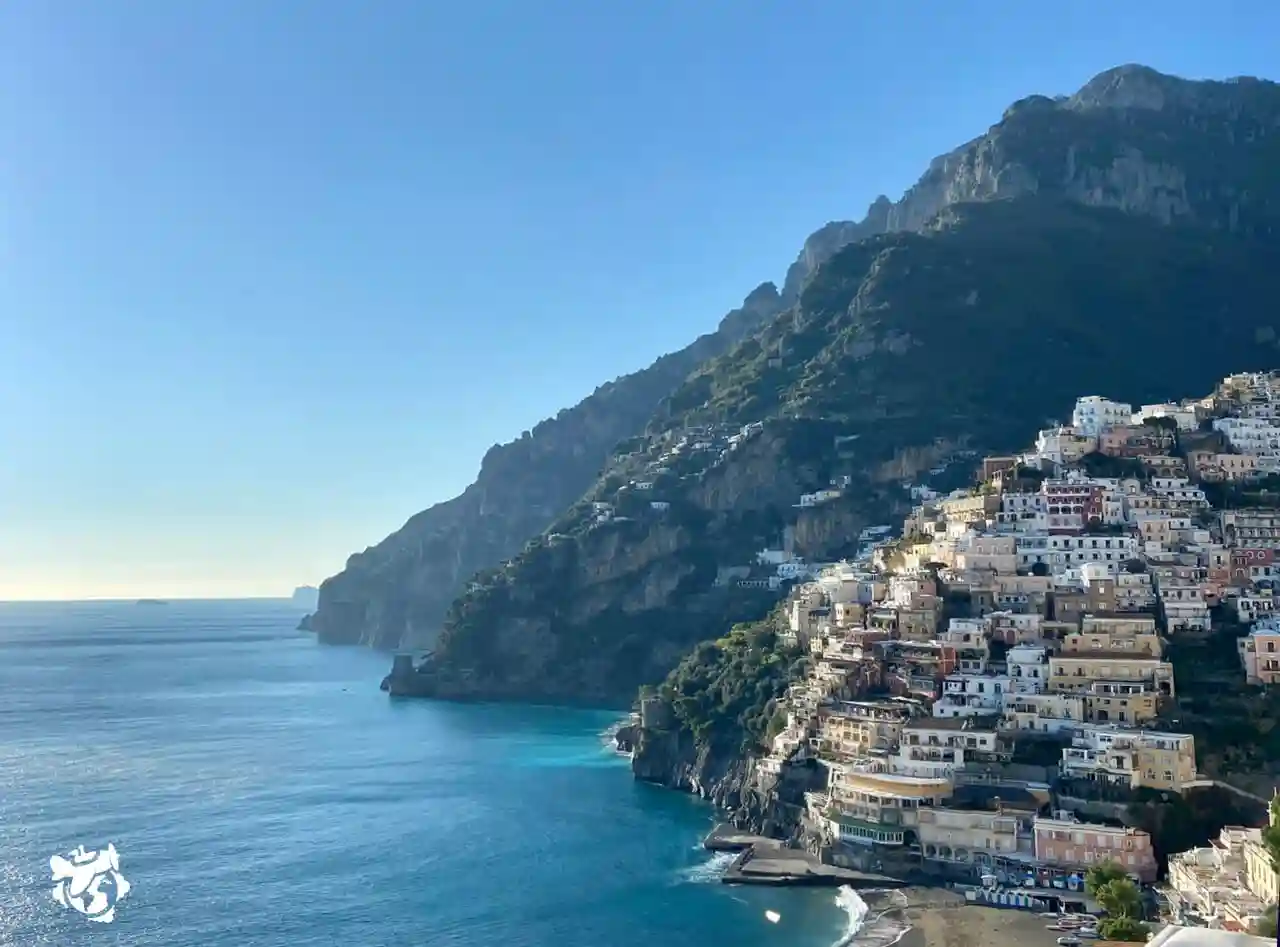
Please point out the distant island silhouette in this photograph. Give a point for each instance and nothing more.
(152, 601)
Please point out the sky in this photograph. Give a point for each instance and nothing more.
(274, 275)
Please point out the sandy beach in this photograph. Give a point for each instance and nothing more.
(942, 918)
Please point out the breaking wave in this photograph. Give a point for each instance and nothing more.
(711, 870)
(861, 930)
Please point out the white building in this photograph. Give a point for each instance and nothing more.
(1179, 489)
(1250, 435)
(1063, 445)
(972, 695)
(1028, 666)
(1093, 413)
(935, 748)
(1052, 714)
(1184, 416)
(1184, 607)
(1061, 551)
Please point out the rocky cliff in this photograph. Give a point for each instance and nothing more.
(972, 334)
(1150, 163)
(753, 800)
(397, 592)
(1132, 139)
(595, 609)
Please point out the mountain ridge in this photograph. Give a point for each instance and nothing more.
(901, 350)
(1107, 145)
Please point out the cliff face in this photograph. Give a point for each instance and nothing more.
(593, 610)
(759, 802)
(970, 335)
(1132, 139)
(396, 593)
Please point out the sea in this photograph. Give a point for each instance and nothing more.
(259, 790)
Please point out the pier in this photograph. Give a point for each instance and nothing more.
(765, 861)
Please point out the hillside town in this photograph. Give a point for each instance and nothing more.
(991, 685)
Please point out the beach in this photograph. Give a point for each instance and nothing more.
(942, 918)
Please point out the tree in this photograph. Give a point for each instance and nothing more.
(1120, 898)
(1123, 928)
(1266, 925)
(1271, 839)
(1102, 874)
(1111, 886)
(1039, 569)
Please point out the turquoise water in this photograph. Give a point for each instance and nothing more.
(262, 792)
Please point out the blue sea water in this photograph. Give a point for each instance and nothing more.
(262, 792)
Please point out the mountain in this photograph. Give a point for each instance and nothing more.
(397, 592)
(1132, 139)
(1122, 240)
(305, 596)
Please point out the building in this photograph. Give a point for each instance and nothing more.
(1093, 414)
(974, 837)
(1260, 653)
(1078, 846)
(1120, 757)
(1028, 666)
(937, 747)
(1042, 714)
(1183, 416)
(1216, 467)
(1079, 671)
(854, 729)
(1115, 634)
(1127, 702)
(1256, 527)
(1258, 436)
(867, 804)
(1064, 445)
(1216, 883)
(1135, 440)
(971, 695)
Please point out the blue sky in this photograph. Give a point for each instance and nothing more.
(273, 275)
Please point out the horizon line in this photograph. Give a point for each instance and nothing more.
(145, 598)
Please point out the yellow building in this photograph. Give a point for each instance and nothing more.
(1148, 644)
(1077, 672)
(1260, 874)
(852, 729)
(1120, 702)
(1119, 756)
(868, 804)
(965, 835)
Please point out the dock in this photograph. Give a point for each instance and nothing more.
(765, 861)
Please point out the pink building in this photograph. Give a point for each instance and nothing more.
(1078, 846)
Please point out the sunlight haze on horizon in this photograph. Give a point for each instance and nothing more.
(274, 276)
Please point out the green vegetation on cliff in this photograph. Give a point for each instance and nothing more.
(973, 334)
(724, 692)
(1100, 250)
(995, 322)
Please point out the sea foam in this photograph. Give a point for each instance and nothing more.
(862, 930)
(711, 870)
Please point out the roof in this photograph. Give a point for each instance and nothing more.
(1125, 656)
(1175, 936)
(975, 723)
(986, 797)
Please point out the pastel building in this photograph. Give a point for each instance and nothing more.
(1078, 846)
